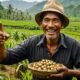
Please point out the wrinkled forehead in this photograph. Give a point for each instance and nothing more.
(51, 15)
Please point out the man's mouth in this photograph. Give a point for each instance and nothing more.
(51, 30)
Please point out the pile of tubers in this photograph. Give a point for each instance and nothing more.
(46, 65)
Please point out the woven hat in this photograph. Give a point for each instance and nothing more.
(53, 6)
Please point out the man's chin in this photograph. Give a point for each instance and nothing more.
(51, 37)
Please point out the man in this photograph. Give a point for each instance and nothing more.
(50, 45)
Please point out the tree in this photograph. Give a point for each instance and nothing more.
(9, 11)
(21, 15)
(69, 10)
(1, 10)
(1, 7)
(78, 11)
(30, 17)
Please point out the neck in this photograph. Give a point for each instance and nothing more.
(52, 42)
(52, 45)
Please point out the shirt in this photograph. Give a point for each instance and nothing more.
(35, 49)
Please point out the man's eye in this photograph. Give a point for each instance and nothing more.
(56, 20)
(45, 20)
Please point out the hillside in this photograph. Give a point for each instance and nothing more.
(19, 4)
(70, 2)
(72, 7)
(36, 8)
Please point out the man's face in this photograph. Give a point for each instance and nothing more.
(51, 25)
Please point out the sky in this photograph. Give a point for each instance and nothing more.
(27, 0)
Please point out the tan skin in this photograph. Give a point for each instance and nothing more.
(3, 38)
(51, 25)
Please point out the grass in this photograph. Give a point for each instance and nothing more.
(18, 23)
(75, 19)
(75, 35)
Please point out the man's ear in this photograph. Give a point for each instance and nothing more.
(62, 27)
(40, 26)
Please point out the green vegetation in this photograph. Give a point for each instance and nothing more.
(11, 13)
(31, 25)
(18, 23)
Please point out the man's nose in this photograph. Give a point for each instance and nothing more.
(50, 24)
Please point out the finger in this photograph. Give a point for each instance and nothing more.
(59, 69)
(1, 43)
(57, 75)
(4, 36)
(7, 36)
(2, 40)
(1, 33)
(48, 77)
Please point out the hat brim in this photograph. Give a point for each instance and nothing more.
(65, 19)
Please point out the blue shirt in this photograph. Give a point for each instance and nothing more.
(35, 49)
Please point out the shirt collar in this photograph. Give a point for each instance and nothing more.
(61, 41)
(42, 41)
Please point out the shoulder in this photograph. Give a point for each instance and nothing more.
(70, 41)
(34, 39)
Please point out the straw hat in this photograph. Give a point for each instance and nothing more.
(53, 6)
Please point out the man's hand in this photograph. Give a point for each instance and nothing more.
(3, 37)
(62, 71)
